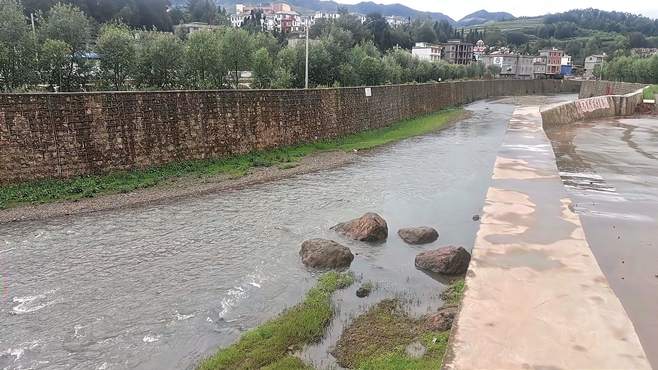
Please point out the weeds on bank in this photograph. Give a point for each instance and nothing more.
(650, 92)
(377, 340)
(454, 292)
(285, 158)
(269, 344)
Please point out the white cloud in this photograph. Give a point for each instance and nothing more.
(458, 9)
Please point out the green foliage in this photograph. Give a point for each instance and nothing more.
(69, 24)
(651, 92)
(204, 64)
(123, 182)
(117, 50)
(263, 69)
(269, 343)
(54, 62)
(631, 69)
(159, 60)
(454, 292)
(377, 339)
(17, 47)
(237, 49)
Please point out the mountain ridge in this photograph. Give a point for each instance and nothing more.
(365, 7)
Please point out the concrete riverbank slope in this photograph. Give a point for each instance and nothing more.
(64, 135)
(603, 106)
(535, 295)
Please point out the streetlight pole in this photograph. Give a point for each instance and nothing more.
(306, 74)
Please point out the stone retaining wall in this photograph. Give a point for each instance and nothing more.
(70, 134)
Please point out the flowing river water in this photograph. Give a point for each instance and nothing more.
(162, 286)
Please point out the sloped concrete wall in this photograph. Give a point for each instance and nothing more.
(590, 89)
(592, 108)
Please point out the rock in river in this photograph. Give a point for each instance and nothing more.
(447, 260)
(441, 320)
(370, 227)
(325, 254)
(418, 235)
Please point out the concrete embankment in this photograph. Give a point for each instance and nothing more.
(535, 295)
(592, 108)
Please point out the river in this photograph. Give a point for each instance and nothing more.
(161, 286)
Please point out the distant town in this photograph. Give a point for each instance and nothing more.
(548, 63)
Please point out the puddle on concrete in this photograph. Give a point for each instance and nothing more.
(160, 287)
(610, 169)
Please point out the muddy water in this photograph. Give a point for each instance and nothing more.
(610, 169)
(159, 287)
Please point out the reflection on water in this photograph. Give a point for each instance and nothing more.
(610, 169)
(160, 287)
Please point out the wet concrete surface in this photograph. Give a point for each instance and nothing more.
(610, 169)
(535, 296)
(161, 286)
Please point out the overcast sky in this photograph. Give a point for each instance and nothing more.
(459, 8)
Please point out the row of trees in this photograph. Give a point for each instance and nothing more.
(56, 55)
(630, 69)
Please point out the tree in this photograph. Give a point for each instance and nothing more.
(54, 62)
(380, 30)
(159, 60)
(69, 24)
(423, 32)
(17, 47)
(116, 48)
(516, 38)
(370, 71)
(236, 49)
(203, 60)
(263, 69)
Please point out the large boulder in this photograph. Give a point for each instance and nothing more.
(447, 260)
(325, 254)
(441, 320)
(418, 235)
(370, 227)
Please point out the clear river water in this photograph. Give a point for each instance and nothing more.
(162, 286)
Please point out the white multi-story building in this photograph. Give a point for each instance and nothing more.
(394, 20)
(325, 15)
(426, 51)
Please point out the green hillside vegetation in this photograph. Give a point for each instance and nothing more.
(579, 32)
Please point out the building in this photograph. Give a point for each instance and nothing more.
(512, 66)
(187, 28)
(553, 60)
(325, 15)
(479, 49)
(427, 51)
(539, 67)
(396, 20)
(457, 52)
(644, 52)
(592, 63)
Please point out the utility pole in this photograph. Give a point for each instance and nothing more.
(32, 21)
(306, 75)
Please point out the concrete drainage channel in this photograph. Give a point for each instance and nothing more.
(535, 294)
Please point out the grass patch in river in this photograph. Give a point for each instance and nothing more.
(126, 181)
(454, 292)
(650, 92)
(269, 344)
(378, 338)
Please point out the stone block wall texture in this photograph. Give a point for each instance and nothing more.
(45, 136)
(590, 89)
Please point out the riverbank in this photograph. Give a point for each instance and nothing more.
(44, 199)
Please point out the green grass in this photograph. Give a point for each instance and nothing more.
(454, 292)
(268, 345)
(377, 340)
(122, 182)
(436, 344)
(650, 92)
